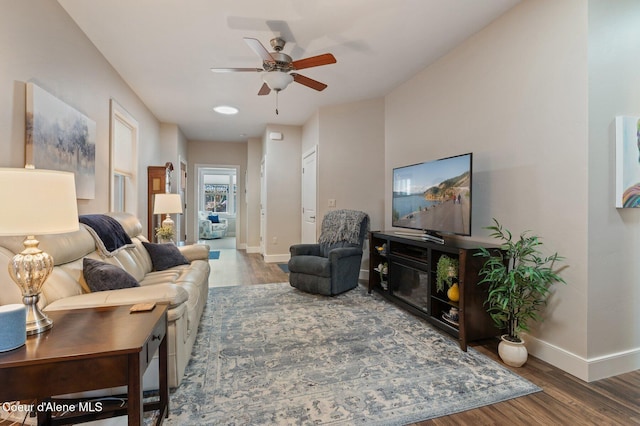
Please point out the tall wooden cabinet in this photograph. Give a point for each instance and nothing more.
(410, 282)
(158, 182)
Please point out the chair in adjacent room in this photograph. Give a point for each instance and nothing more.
(333, 265)
(210, 226)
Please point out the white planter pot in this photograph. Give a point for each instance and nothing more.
(512, 353)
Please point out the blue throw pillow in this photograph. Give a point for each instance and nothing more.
(165, 256)
(101, 276)
(214, 218)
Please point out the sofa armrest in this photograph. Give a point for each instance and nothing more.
(172, 294)
(305, 250)
(195, 252)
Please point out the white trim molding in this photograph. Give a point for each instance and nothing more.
(589, 370)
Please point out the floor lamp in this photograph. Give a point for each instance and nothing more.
(37, 202)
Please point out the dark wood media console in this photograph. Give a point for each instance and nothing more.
(411, 282)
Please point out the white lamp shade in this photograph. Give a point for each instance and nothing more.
(277, 80)
(37, 202)
(167, 204)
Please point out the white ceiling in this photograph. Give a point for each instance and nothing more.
(164, 50)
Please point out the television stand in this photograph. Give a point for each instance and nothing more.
(426, 236)
(410, 282)
(434, 238)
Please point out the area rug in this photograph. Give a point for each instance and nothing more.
(271, 354)
(214, 254)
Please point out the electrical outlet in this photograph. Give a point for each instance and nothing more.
(332, 202)
(275, 241)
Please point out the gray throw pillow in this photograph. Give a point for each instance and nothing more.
(101, 276)
(165, 256)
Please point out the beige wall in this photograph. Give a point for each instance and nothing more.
(39, 43)
(613, 322)
(311, 133)
(283, 197)
(173, 148)
(351, 159)
(222, 154)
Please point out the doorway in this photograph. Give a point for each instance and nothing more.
(217, 212)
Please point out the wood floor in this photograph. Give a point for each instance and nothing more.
(565, 400)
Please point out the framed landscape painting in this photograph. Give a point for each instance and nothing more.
(58, 137)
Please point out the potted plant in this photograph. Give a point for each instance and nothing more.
(446, 273)
(165, 234)
(519, 279)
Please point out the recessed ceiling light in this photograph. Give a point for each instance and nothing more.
(225, 109)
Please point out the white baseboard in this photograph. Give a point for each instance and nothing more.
(364, 275)
(588, 370)
(242, 246)
(277, 258)
(253, 249)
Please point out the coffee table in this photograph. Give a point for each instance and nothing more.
(89, 349)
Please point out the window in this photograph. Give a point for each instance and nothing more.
(219, 190)
(217, 198)
(124, 139)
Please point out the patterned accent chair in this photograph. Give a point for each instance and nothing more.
(333, 265)
(208, 229)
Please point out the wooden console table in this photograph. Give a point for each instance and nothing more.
(89, 349)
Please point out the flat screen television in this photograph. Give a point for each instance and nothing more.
(434, 197)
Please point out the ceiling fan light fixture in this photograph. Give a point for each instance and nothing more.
(277, 80)
(226, 110)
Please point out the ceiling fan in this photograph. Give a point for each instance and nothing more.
(279, 69)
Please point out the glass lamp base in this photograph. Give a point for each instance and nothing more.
(30, 269)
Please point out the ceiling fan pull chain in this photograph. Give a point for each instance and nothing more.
(277, 91)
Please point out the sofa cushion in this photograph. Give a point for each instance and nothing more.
(165, 255)
(101, 276)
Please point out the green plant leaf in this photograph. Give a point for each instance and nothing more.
(519, 279)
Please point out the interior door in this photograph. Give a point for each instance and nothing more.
(182, 189)
(263, 205)
(309, 196)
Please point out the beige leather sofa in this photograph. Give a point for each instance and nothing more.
(184, 287)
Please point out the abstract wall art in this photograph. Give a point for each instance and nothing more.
(58, 137)
(627, 161)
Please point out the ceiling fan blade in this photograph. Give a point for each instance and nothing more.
(237, 69)
(309, 82)
(264, 90)
(259, 48)
(314, 61)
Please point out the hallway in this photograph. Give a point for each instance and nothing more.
(236, 267)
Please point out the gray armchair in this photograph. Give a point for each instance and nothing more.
(333, 265)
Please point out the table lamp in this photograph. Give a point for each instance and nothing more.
(37, 202)
(167, 204)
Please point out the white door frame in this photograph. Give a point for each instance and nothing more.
(182, 190)
(199, 196)
(263, 204)
(309, 182)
